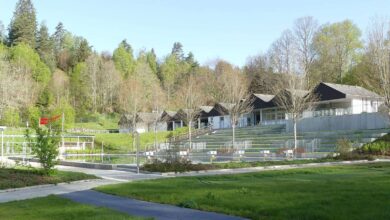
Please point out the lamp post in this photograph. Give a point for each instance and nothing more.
(2, 129)
(136, 136)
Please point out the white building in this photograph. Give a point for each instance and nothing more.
(333, 100)
(145, 122)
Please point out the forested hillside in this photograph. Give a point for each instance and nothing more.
(45, 72)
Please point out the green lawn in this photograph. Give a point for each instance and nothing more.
(53, 207)
(339, 192)
(114, 142)
(98, 122)
(22, 177)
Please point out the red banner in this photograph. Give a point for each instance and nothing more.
(54, 118)
(43, 121)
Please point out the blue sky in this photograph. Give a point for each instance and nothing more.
(225, 29)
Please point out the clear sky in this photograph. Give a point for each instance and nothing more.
(226, 29)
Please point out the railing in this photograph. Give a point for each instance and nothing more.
(194, 133)
(331, 112)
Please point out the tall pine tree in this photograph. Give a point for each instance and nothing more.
(23, 24)
(59, 38)
(45, 47)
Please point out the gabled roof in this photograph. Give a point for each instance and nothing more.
(168, 115)
(206, 109)
(223, 108)
(264, 97)
(146, 117)
(227, 106)
(352, 91)
(171, 113)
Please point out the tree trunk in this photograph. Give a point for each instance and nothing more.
(295, 136)
(234, 135)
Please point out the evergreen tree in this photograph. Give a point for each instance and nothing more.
(152, 61)
(59, 38)
(83, 51)
(23, 24)
(177, 51)
(45, 47)
(127, 46)
(190, 59)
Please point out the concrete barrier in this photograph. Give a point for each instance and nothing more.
(362, 121)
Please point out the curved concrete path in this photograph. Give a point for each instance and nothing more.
(142, 208)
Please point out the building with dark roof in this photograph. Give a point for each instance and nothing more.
(332, 100)
(145, 122)
(173, 119)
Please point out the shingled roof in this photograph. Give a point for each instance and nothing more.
(206, 109)
(146, 117)
(353, 91)
(264, 97)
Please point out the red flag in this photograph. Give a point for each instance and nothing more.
(54, 118)
(43, 121)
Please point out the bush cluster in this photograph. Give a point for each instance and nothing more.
(178, 166)
(376, 148)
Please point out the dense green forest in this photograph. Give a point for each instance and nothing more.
(43, 73)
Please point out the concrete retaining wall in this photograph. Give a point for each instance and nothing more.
(362, 121)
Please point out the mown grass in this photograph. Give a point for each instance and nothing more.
(232, 165)
(22, 177)
(53, 207)
(98, 122)
(337, 192)
(120, 142)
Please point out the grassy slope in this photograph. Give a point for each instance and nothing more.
(114, 142)
(99, 122)
(342, 192)
(53, 207)
(16, 178)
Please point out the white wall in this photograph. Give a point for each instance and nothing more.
(343, 122)
(364, 105)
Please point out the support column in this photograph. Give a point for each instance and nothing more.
(181, 123)
(173, 125)
(198, 123)
(261, 116)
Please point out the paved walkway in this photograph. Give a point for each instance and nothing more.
(108, 177)
(142, 208)
(45, 190)
(116, 175)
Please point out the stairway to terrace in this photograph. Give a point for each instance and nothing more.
(273, 137)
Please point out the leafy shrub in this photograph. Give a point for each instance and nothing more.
(33, 114)
(353, 156)
(343, 146)
(45, 147)
(178, 166)
(376, 148)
